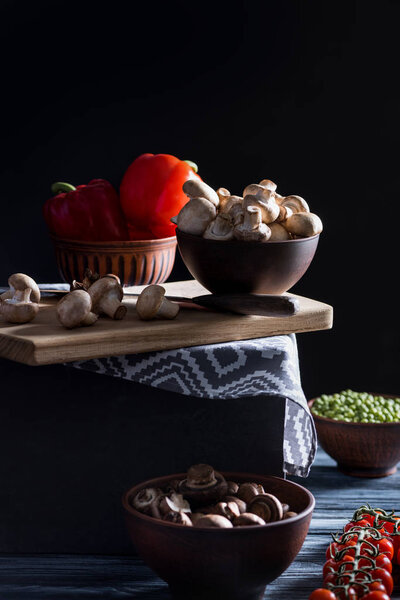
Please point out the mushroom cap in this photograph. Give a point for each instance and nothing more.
(219, 229)
(195, 215)
(21, 282)
(201, 475)
(304, 224)
(18, 312)
(102, 286)
(193, 188)
(73, 308)
(213, 521)
(278, 232)
(149, 301)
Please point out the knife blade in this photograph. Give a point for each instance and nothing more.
(264, 305)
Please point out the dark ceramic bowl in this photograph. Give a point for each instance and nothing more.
(360, 449)
(136, 262)
(221, 564)
(252, 267)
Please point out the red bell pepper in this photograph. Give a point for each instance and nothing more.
(151, 193)
(89, 212)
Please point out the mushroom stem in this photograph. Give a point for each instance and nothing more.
(252, 217)
(168, 309)
(110, 305)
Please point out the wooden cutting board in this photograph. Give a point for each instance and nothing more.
(44, 341)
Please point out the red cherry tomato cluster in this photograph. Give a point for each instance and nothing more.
(359, 561)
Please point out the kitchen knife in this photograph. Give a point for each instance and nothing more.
(264, 305)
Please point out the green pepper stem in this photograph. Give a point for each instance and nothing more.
(60, 186)
(192, 164)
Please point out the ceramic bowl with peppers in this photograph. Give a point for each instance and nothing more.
(215, 535)
(127, 233)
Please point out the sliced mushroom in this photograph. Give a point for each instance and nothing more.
(278, 233)
(75, 310)
(248, 519)
(195, 216)
(220, 229)
(152, 304)
(106, 294)
(304, 224)
(252, 229)
(213, 521)
(178, 517)
(203, 485)
(194, 188)
(145, 498)
(266, 506)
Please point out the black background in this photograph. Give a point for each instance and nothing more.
(304, 93)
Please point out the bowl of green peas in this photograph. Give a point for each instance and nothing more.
(359, 430)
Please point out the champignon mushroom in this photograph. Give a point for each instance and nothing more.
(289, 514)
(213, 521)
(203, 485)
(247, 491)
(195, 216)
(223, 195)
(144, 499)
(248, 519)
(265, 200)
(88, 279)
(268, 184)
(178, 517)
(241, 504)
(232, 487)
(295, 203)
(266, 506)
(75, 310)
(18, 312)
(175, 502)
(278, 232)
(194, 188)
(252, 229)
(304, 224)
(233, 209)
(219, 229)
(230, 510)
(106, 294)
(152, 304)
(22, 289)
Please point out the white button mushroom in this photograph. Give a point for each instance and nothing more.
(106, 294)
(75, 310)
(195, 216)
(278, 233)
(303, 224)
(252, 229)
(193, 188)
(20, 303)
(152, 304)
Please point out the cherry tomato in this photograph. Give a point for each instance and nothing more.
(398, 557)
(322, 594)
(362, 523)
(349, 560)
(330, 578)
(376, 595)
(329, 567)
(384, 546)
(331, 550)
(385, 578)
(351, 594)
(376, 585)
(382, 561)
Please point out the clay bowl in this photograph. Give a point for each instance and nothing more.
(253, 267)
(360, 449)
(136, 262)
(221, 564)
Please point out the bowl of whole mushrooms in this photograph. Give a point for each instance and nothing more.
(260, 242)
(213, 535)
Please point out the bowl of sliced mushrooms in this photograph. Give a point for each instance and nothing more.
(260, 242)
(218, 535)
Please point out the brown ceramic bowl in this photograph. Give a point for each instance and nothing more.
(360, 449)
(136, 262)
(252, 267)
(221, 564)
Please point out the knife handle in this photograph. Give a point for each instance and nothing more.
(264, 305)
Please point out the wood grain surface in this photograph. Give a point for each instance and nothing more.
(45, 341)
(68, 577)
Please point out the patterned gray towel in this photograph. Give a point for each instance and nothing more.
(266, 366)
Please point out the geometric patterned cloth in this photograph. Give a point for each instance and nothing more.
(265, 366)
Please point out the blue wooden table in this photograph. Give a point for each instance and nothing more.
(67, 577)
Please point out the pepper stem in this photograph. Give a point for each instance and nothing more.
(60, 186)
(192, 164)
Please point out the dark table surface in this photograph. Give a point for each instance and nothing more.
(84, 577)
